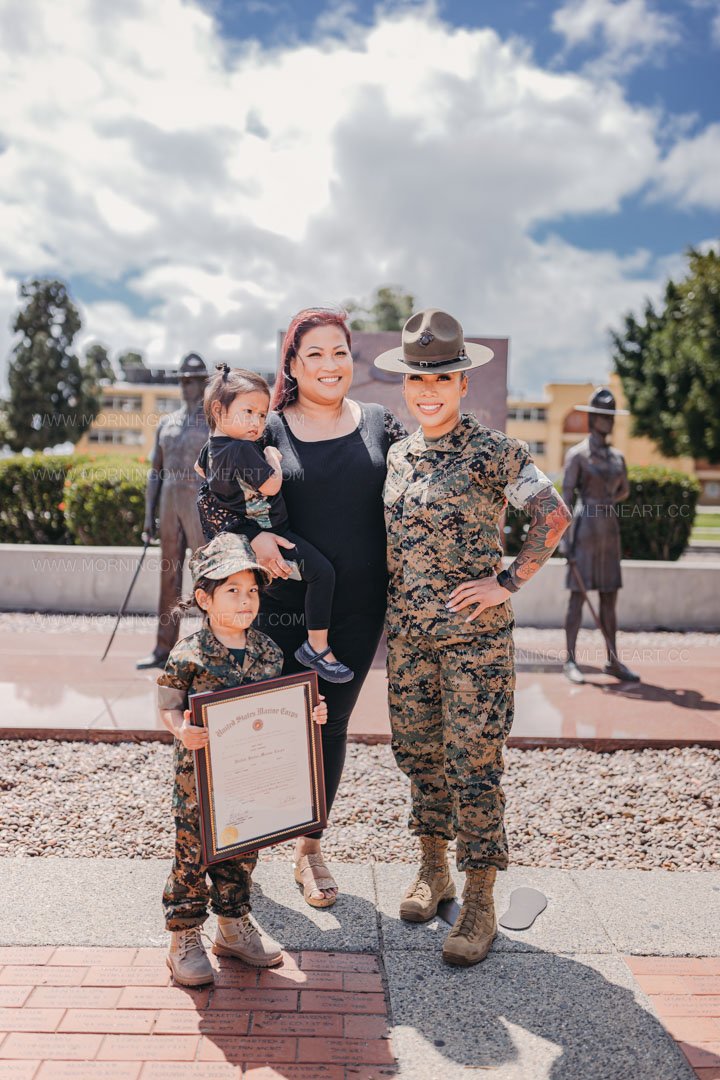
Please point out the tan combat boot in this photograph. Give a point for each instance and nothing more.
(247, 941)
(432, 884)
(475, 928)
(187, 958)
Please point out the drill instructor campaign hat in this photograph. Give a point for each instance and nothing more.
(433, 341)
(193, 367)
(602, 401)
(225, 554)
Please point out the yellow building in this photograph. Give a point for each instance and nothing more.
(129, 418)
(551, 426)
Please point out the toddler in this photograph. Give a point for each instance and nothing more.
(244, 485)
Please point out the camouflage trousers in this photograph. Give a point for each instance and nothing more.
(451, 710)
(186, 895)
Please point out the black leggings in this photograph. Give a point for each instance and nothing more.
(319, 576)
(353, 637)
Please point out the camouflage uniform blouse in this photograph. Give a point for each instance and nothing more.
(200, 662)
(442, 501)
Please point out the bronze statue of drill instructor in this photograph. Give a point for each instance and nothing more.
(595, 481)
(171, 499)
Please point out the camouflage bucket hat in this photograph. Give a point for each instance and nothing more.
(226, 554)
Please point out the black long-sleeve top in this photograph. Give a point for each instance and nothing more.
(333, 493)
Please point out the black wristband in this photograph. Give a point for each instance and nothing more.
(504, 578)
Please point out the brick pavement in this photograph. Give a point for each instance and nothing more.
(113, 1014)
(685, 993)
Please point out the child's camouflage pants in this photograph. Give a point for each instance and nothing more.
(186, 895)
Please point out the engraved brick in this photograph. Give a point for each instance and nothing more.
(693, 1029)
(207, 1070)
(229, 977)
(268, 1000)
(674, 965)
(293, 1072)
(149, 958)
(12, 997)
(163, 997)
(127, 976)
(89, 1070)
(220, 1048)
(62, 1047)
(86, 957)
(26, 954)
(80, 997)
(346, 1051)
(319, 1001)
(365, 1027)
(330, 961)
(108, 1021)
(301, 980)
(208, 1022)
(706, 1056)
(274, 1023)
(40, 975)
(30, 1019)
(148, 1048)
(687, 1004)
(18, 1070)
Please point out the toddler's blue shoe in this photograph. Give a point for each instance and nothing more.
(329, 670)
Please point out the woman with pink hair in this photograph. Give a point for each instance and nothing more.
(333, 462)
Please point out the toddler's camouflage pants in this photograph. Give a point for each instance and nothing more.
(451, 710)
(186, 894)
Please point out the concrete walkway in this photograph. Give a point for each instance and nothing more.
(556, 1002)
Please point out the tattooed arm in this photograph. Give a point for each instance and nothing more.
(532, 492)
(550, 518)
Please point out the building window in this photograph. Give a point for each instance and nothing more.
(124, 403)
(527, 414)
(116, 437)
(536, 447)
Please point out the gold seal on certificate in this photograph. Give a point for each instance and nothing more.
(260, 780)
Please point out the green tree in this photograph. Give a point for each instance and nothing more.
(669, 364)
(389, 309)
(54, 396)
(133, 367)
(98, 358)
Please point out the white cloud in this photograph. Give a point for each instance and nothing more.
(227, 188)
(630, 31)
(690, 171)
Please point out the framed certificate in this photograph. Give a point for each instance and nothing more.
(260, 779)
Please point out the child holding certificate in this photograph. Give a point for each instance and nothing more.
(243, 486)
(225, 653)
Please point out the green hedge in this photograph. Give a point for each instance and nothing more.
(32, 493)
(105, 501)
(72, 499)
(655, 520)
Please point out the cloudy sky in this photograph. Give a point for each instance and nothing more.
(199, 170)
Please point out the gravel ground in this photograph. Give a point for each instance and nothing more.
(648, 809)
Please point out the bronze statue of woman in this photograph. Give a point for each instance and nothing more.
(595, 481)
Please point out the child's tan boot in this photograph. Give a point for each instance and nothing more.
(187, 959)
(432, 884)
(475, 928)
(247, 941)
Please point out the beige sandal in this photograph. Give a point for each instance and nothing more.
(311, 881)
